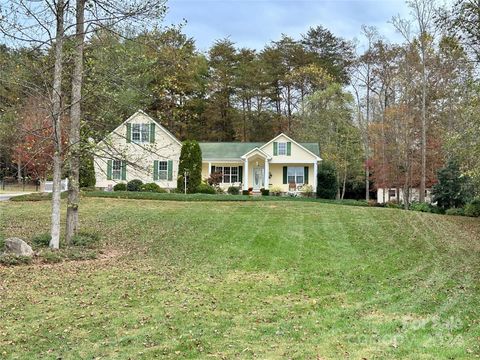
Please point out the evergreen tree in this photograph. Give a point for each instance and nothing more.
(87, 172)
(190, 161)
(452, 189)
(327, 185)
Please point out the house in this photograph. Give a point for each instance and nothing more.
(141, 148)
(385, 195)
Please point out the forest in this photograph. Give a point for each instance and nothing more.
(385, 114)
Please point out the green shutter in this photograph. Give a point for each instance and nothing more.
(155, 170)
(285, 180)
(124, 170)
(289, 148)
(129, 132)
(170, 170)
(152, 132)
(305, 175)
(275, 148)
(212, 169)
(240, 174)
(109, 170)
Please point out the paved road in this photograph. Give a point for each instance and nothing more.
(5, 197)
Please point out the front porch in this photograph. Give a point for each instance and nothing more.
(257, 170)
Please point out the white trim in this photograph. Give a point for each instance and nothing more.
(206, 160)
(296, 143)
(151, 119)
(245, 175)
(246, 155)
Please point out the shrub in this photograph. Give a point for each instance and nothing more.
(455, 212)
(245, 192)
(86, 172)
(219, 190)
(41, 240)
(51, 256)
(473, 208)
(265, 192)
(393, 205)
(233, 190)
(327, 181)
(152, 187)
(205, 189)
(88, 188)
(191, 161)
(12, 260)
(85, 239)
(276, 190)
(120, 187)
(134, 185)
(215, 178)
(422, 207)
(453, 189)
(307, 190)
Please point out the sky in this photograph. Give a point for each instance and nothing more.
(254, 23)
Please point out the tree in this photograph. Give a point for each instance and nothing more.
(452, 189)
(86, 171)
(327, 181)
(190, 162)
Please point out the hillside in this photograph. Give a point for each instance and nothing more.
(228, 280)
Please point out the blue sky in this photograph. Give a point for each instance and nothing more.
(253, 23)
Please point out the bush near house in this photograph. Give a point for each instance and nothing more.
(190, 161)
(453, 189)
(87, 172)
(265, 192)
(205, 189)
(152, 187)
(327, 185)
(134, 185)
(120, 187)
(233, 190)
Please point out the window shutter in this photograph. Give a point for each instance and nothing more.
(152, 133)
(129, 132)
(285, 180)
(155, 170)
(124, 170)
(305, 175)
(275, 148)
(240, 174)
(212, 169)
(289, 148)
(170, 170)
(109, 170)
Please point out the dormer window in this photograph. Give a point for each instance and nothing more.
(282, 148)
(140, 133)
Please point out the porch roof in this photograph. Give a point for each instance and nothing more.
(234, 150)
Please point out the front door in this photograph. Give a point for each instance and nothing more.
(258, 178)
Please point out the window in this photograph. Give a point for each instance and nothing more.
(392, 193)
(229, 173)
(140, 133)
(282, 148)
(116, 169)
(295, 174)
(162, 170)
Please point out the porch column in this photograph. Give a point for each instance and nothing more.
(209, 171)
(315, 171)
(245, 175)
(267, 174)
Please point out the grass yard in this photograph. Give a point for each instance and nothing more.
(257, 279)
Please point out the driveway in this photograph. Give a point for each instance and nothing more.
(8, 196)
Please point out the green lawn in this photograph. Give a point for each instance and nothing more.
(264, 279)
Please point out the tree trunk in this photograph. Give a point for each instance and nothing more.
(75, 116)
(19, 171)
(424, 131)
(57, 133)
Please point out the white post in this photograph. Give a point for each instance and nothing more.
(185, 174)
(267, 174)
(245, 175)
(315, 171)
(209, 171)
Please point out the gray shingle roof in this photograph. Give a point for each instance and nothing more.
(234, 150)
